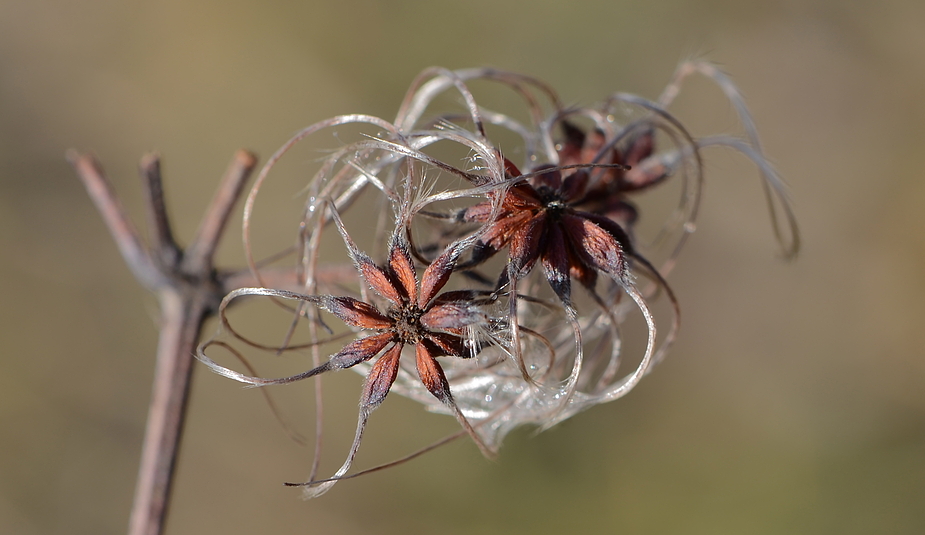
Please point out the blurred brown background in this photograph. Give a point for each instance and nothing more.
(793, 403)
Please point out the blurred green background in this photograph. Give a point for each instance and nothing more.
(794, 401)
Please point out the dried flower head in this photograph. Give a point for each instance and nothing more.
(520, 346)
(538, 221)
(416, 316)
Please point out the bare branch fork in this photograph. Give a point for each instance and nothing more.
(189, 289)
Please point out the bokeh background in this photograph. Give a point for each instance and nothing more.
(794, 401)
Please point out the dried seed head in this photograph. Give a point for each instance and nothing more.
(509, 344)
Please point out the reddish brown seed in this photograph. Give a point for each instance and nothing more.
(380, 378)
(645, 174)
(450, 316)
(500, 232)
(574, 186)
(556, 263)
(522, 197)
(596, 246)
(403, 268)
(570, 151)
(360, 350)
(525, 245)
(448, 344)
(510, 169)
(580, 271)
(432, 375)
(356, 313)
(641, 147)
(437, 274)
(377, 279)
(480, 212)
(551, 180)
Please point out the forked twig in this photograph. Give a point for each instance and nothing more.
(189, 289)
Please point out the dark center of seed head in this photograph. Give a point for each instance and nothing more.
(555, 206)
(552, 202)
(408, 323)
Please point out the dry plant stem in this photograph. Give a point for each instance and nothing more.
(189, 289)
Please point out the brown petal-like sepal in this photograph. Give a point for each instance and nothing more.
(450, 316)
(500, 232)
(380, 378)
(595, 245)
(432, 374)
(438, 273)
(356, 313)
(613, 228)
(556, 265)
(551, 179)
(521, 197)
(511, 170)
(358, 351)
(574, 186)
(570, 153)
(448, 344)
(377, 278)
(581, 272)
(594, 141)
(525, 245)
(647, 173)
(640, 148)
(403, 268)
(480, 212)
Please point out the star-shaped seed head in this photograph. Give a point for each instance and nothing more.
(634, 149)
(538, 222)
(415, 315)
